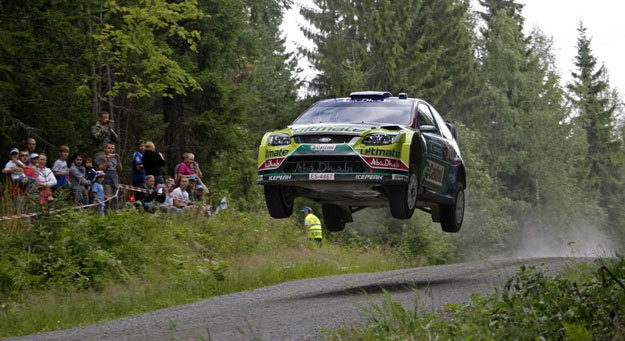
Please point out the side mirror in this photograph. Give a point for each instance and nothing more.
(428, 129)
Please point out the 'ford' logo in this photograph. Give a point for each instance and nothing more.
(325, 140)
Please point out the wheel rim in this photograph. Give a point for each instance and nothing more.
(460, 207)
(413, 188)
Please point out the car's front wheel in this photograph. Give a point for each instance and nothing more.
(453, 215)
(279, 204)
(403, 199)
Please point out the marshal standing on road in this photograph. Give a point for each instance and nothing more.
(312, 225)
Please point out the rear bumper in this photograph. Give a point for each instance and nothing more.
(293, 178)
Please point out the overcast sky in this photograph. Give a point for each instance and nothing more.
(604, 21)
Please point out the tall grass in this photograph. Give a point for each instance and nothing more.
(94, 268)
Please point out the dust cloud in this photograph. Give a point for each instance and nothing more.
(583, 240)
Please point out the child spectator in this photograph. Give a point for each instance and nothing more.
(45, 179)
(138, 171)
(98, 192)
(90, 176)
(60, 169)
(78, 180)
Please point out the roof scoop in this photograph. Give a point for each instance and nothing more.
(370, 95)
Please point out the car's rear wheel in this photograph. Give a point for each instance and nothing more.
(278, 203)
(332, 218)
(403, 199)
(453, 215)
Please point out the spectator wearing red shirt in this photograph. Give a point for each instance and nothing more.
(187, 167)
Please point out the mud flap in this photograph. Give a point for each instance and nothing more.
(435, 211)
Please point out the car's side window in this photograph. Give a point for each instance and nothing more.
(441, 124)
(425, 116)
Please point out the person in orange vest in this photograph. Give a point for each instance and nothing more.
(312, 225)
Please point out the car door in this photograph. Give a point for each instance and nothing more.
(436, 166)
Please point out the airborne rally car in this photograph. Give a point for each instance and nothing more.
(366, 150)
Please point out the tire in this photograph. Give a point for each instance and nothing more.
(278, 204)
(453, 215)
(403, 199)
(332, 218)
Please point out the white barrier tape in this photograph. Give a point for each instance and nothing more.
(28, 215)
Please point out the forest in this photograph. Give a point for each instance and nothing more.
(544, 158)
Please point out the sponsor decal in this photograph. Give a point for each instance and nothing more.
(435, 149)
(279, 177)
(323, 166)
(369, 177)
(384, 162)
(321, 176)
(323, 147)
(260, 178)
(276, 153)
(434, 173)
(373, 151)
(271, 163)
(400, 177)
(328, 129)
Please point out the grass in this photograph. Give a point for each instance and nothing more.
(585, 302)
(140, 262)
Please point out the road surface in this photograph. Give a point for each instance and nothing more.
(301, 309)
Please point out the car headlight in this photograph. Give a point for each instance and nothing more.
(378, 139)
(279, 140)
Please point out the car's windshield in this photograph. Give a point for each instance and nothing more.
(391, 112)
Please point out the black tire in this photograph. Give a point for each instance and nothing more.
(403, 199)
(332, 218)
(453, 215)
(278, 204)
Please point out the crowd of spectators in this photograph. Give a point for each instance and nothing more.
(95, 181)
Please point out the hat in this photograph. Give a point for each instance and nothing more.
(34, 156)
(199, 187)
(14, 151)
(306, 209)
(99, 174)
(191, 177)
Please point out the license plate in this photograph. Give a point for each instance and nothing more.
(321, 176)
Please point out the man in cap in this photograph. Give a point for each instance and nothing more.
(312, 225)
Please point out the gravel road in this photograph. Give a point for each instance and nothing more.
(300, 309)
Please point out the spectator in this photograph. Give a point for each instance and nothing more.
(98, 192)
(31, 145)
(180, 195)
(110, 163)
(103, 132)
(78, 179)
(60, 169)
(153, 163)
(20, 177)
(198, 190)
(90, 176)
(148, 198)
(138, 171)
(45, 179)
(167, 205)
(187, 167)
(170, 184)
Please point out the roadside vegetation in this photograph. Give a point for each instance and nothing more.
(585, 302)
(78, 269)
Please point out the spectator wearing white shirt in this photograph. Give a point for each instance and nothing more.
(60, 169)
(45, 179)
(180, 195)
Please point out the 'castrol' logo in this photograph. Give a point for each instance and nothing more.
(323, 147)
(385, 162)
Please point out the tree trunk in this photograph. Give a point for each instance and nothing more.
(175, 142)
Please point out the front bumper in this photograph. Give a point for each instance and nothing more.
(293, 178)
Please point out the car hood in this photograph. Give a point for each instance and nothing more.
(341, 128)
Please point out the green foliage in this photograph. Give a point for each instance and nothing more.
(80, 268)
(532, 305)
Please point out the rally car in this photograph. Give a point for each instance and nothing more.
(366, 150)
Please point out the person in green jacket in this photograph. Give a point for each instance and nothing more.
(312, 225)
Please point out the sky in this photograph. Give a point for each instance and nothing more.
(604, 21)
